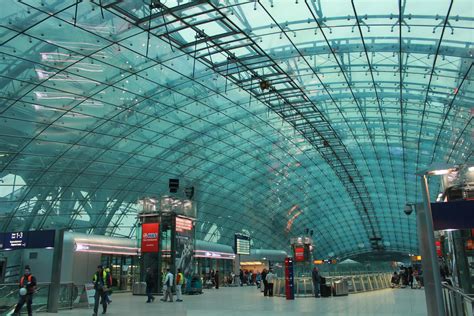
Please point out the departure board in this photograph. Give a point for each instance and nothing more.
(242, 244)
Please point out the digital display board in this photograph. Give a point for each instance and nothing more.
(31, 239)
(183, 224)
(242, 244)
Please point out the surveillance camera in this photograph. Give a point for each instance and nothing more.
(408, 209)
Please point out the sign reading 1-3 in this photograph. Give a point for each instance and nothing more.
(15, 240)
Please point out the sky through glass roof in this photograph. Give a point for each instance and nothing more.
(284, 115)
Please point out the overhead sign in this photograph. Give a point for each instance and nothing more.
(242, 244)
(30, 239)
(183, 224)
(15, 240)
(150, 237)
(453, 215)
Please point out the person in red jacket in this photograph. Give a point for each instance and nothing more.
(27, 282)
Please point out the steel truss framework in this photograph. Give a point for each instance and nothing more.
(284, 115)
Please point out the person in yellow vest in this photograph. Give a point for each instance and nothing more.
(27, 289)
(102, 284)
(179, 285)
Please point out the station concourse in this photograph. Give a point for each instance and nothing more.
(291, 157)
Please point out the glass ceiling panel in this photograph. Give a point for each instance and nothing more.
(323, 109)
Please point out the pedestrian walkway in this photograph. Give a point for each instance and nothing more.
(248, 301)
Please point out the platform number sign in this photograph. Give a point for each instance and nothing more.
(15, 240)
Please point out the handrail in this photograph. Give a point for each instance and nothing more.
(469, 297)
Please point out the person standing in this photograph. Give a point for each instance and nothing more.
(108, 293)
(316, 282)
(216, 279)
(168, 286)
(265, 283)
(179, 285)
(241, 277)
(28, 283)
(150, 284)
(270, 279)
(102, 283)
(410, 277)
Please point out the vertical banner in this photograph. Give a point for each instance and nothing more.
(184, 245)
(150, 240)
(289, 279)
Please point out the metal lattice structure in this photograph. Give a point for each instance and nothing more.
(284, 115)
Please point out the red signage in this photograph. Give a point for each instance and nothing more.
(150, 240)
(299, 254)
(439, 251)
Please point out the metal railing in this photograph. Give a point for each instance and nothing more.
(70, 296)
(355, 283)
(456, 302)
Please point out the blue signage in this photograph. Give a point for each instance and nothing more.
(15, 240)
(31, 239)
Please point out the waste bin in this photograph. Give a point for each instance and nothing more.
(340, 287)
(139, 288)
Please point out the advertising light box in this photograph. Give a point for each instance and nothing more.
(150, 237)
(299, 254)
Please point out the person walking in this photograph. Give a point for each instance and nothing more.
(270, 279)
(216, 279)
(27, 287)
(150, 284)
(265, 283)
(179, 285)
(168, 286)
(102, 283)
(316, 282)
(109, 292)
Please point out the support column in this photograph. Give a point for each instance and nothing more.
(429, 260)
(55, 285)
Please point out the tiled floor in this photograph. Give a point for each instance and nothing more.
(248, 301)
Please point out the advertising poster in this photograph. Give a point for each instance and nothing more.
(184, 245)
(299, 254)
(150, 239)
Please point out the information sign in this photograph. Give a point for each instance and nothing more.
(242, 244)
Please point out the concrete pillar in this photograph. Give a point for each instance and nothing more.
(429, 260)
(55, 285)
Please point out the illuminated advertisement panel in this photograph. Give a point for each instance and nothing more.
(299, 254)
(150, 239)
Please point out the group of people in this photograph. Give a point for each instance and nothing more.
(268, 279)
(211, 279)
(407, 277)
(168, 281)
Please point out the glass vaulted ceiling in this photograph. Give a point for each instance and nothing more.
(284, 115)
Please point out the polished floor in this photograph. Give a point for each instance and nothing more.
(248, 301)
